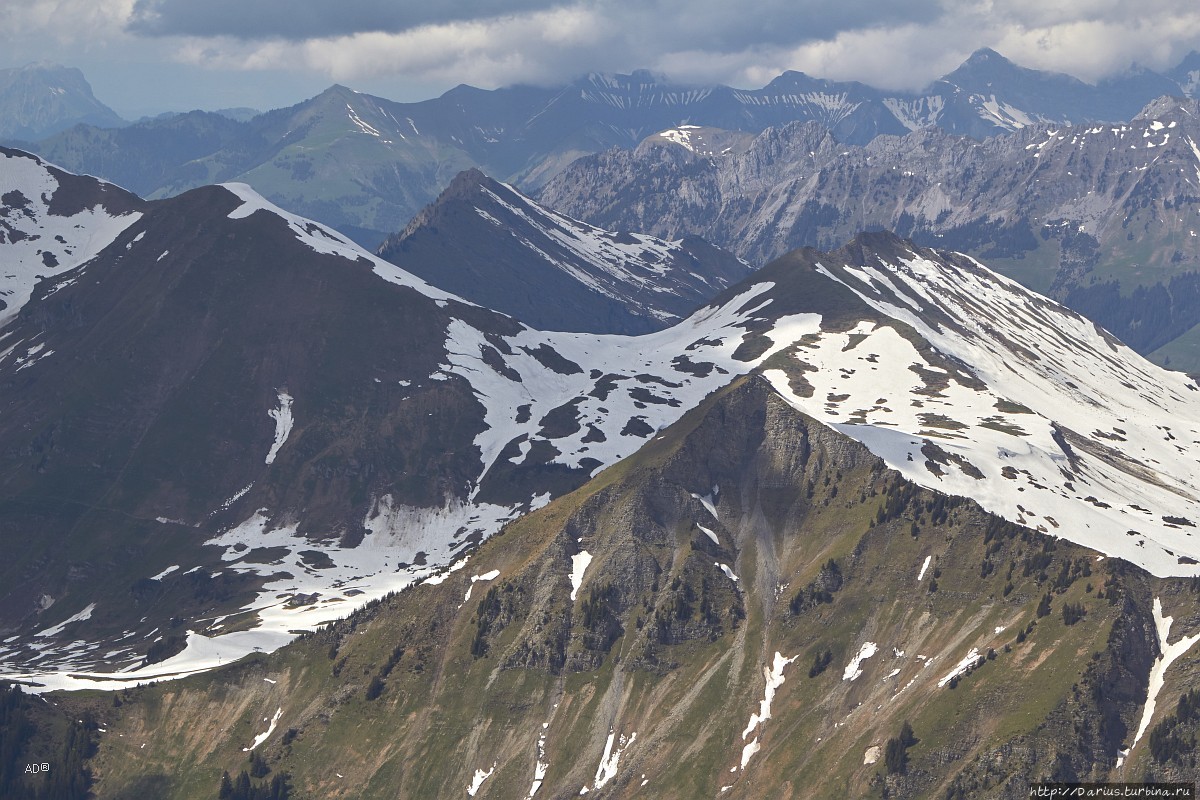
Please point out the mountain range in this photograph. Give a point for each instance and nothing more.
(869, 519)
(1104, 217)
(366, 165)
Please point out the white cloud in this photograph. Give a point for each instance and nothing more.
(530, 47)
(72, 22)
(1092, 49)
(887, 44)
(713, 40)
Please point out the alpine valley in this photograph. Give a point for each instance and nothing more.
(295, 520)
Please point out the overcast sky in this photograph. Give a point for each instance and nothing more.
(146, 56)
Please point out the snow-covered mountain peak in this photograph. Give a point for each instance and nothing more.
(973, 385)
(51, 222)
(326, 241)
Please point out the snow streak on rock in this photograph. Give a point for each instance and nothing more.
(774, 679)
(924, 567)
(541, 765)
(478, 779)
(579, 564)
(80, 617)
(283, 424)
(1169, 654)
(968, 661)
(262, 737)
(608, 762)
(327, 241)
(854, 668)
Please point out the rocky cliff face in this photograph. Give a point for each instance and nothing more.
(752, 605)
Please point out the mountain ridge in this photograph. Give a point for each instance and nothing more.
(333, 456)
(653, 630)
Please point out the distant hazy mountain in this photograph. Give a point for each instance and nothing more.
(488, 243)
(367, 165)
(989, 93)
(38, 100)
(241, 113)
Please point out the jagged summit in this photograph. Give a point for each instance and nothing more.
(638, 78)
(1165, 109)
(988, 55)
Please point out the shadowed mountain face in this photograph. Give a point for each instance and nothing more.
(224, 396)
(488, 243)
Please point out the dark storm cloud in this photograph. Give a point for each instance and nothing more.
(308, 19)
(703, 24)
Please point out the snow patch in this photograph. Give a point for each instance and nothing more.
(165, 573)
(283, 424)
(854, 668)
(774, 679)
(80, 617)
(541, 765)
(707, 501)
(262, 737)
(924, 567)
(478, 779)
(748, 752)
(968, 661)
(487, 576)
(1170, 652)
(579, 563)
(608, 762)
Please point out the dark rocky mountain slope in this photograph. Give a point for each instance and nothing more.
(486, 242)
(232, 424)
